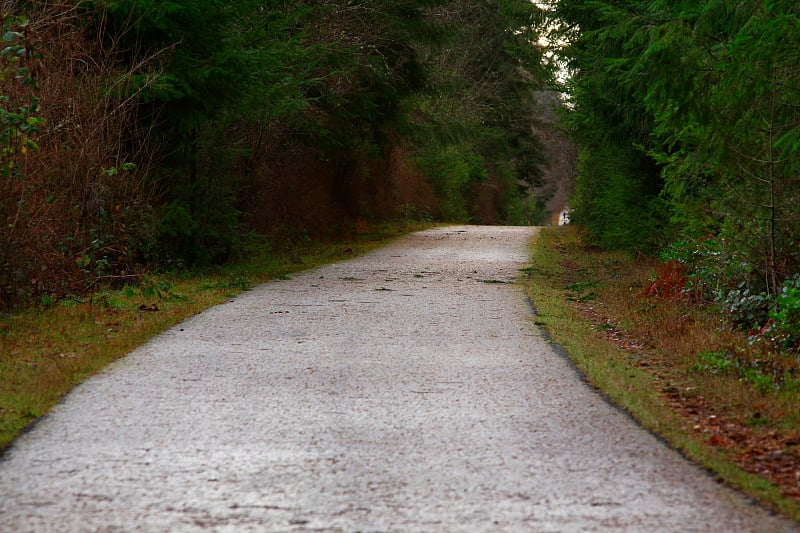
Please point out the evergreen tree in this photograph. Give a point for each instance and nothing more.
(709, 92)
(618, 182)
(197, 67)
(475, 120)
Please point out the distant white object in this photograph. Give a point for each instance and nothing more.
(563, 218)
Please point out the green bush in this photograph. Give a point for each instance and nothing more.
(613, 202)
(451, 170)
(714, 363)
(786, 314)
(747, 310)
(200, 225)
(713, 267)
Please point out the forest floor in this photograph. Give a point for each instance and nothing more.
(674, 364)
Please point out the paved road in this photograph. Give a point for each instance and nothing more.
(407, 390)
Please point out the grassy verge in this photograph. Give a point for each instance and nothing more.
(45, 353)
(651, 357)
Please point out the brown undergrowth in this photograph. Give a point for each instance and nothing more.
(74, 206)
(701, 398)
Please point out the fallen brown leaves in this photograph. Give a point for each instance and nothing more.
(674, 363)
(605, 328)
(773, 454)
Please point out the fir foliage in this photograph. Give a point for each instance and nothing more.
(691, 106)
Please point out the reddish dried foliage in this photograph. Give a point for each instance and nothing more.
(670, 282)
(294, 188)
(69, 221)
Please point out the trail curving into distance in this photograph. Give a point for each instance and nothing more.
(406, 390)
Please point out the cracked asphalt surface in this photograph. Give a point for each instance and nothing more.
(406, 390)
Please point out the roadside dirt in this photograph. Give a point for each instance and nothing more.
(774, 455)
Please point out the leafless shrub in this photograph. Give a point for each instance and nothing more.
(76, 210)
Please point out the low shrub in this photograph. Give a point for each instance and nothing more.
(785, 315)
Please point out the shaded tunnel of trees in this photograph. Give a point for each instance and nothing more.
(149, 134)
(141, 134)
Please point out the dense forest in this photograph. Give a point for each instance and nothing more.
(157, 134)
(140, 135)
(687, 116)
